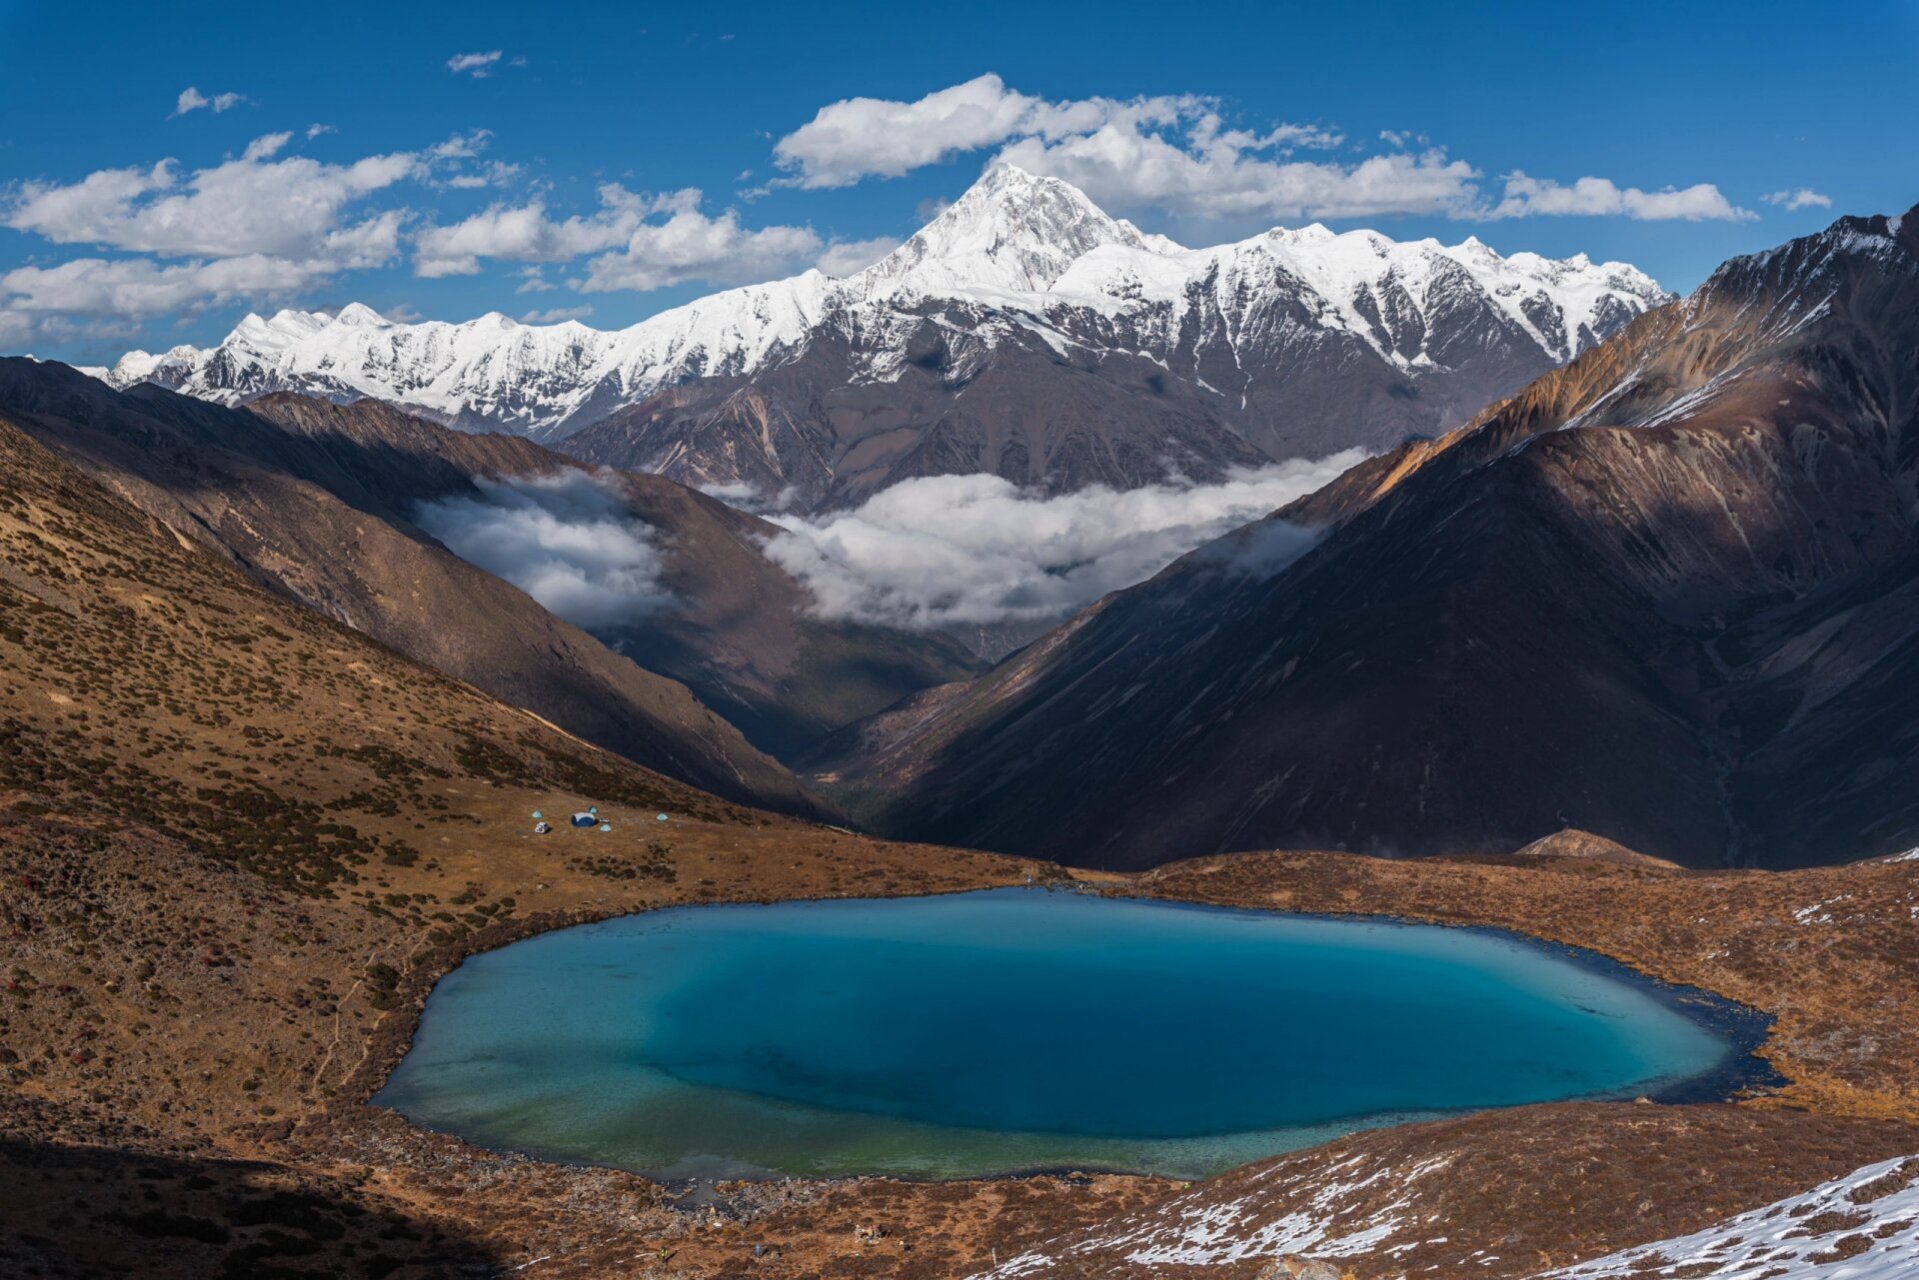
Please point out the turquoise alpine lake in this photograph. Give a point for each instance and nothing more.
(1013, 1030)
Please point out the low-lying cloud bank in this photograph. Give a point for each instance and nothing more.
(563, 539)
(976, 549)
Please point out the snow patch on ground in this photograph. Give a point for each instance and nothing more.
(1864, 1226)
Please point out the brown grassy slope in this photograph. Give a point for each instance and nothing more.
(207, 970)
(733, 626)
(1832, 952)
(1500, 1195)
(231, 834)
(307, 518)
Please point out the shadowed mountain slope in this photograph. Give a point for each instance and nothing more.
(317, 518)
(238, 843)
(729, 624)
(1668, 594)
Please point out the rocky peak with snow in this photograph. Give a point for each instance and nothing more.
(1300, 341)
(1012, 232)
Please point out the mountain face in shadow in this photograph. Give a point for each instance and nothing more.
(727, 622)
(315, 502)
(1668, 594)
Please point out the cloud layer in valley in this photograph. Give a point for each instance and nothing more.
(976, 549)
(930, 552)
(567, 540)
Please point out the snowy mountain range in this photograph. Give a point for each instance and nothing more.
(1295, 341)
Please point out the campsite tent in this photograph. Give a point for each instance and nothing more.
(585, 820)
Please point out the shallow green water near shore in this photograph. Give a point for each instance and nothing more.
(1011, 1030)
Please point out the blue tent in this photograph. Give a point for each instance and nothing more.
(585, 820)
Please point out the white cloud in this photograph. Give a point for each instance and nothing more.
(461, 146)
(265, 147)
(555, 315)
(844, 257)
(263, 225)
(1222, 174)
(319, 131)
(533, 280)
(526, 234)
(191, 99)
(141, 287)
(865, 137)
(496, 173)
(1176, 154)
(16, 329)
(875, 137)
(691, 246)
(1529, 197)
(477, 65)
(256, 204)
(976, 549)
(564, 539)
(1797, 198)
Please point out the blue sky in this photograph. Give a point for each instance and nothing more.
(348, 152)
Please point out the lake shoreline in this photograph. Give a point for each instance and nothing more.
(1739, 1075)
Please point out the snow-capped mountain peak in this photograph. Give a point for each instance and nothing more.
(355, 313)
(1012, 232)
(1018, 259)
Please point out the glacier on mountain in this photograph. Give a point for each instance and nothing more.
(1016, 254)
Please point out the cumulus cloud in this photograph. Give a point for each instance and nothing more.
(976, 549)
(477, 65)
(525, 233)
(533, 280)
(191, 99)
(875, 137)
(1224, 174)
(644, 242)
(256, 204)
(495, 173)
(691, 246)
(141, 287)
(461, 146)
(567, 540)
(1794, 199)
(1176, 154)
(844, 257)
(262, 225)
(1529, 197)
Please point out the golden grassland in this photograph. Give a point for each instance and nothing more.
(239, 843)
